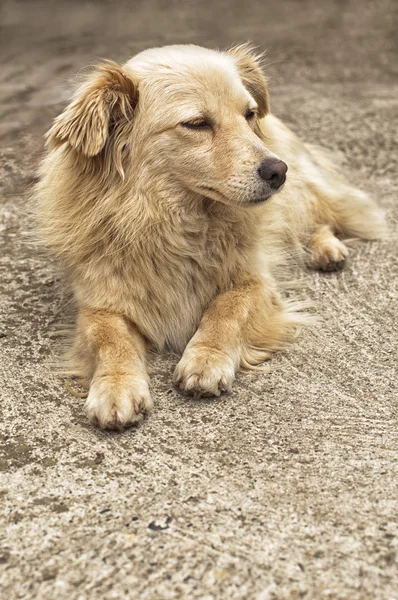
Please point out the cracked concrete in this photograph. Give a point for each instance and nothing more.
(286, 488)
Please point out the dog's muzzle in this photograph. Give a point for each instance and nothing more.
(273, 171)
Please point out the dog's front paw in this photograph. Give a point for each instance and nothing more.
(330, 255)
(204, 371)
(117, 401)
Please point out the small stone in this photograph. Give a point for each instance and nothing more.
(160, 525)
(4, 557)
(99, 457)
(60, 508)
(49, 573)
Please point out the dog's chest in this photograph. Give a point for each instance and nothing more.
(212, 256)
(183, 273)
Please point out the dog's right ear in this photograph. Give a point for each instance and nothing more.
(253, 78)
(108, 96)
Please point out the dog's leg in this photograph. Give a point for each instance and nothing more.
(328, 253)
(119, 392)
(240, 327)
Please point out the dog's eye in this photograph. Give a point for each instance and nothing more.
(196, 124)
(250, 114)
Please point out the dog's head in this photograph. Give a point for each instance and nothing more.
(184, 115)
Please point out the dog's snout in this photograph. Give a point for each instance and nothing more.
(274, 172)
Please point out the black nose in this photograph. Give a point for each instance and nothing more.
(273, 171)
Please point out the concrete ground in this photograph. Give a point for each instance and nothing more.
(285, 489)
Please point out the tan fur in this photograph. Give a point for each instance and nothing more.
(327, 251)
(252, 76)
(154, 222)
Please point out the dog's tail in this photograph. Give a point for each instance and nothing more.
(359, 216)
(354, 212)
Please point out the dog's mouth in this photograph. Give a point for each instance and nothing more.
(212, 193)
(265, 197)
(206, 188)
(259, 200)
(252, 202)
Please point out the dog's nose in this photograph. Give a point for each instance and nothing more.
(273, 171)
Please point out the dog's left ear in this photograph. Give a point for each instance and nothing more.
(108, 96)
(252, 75)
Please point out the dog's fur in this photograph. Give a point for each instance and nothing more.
(156, 225)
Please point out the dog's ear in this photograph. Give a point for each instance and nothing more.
(253, 78)
(108, 96)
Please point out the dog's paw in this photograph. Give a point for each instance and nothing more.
(117, 401)
(204, 371)
(330, 255)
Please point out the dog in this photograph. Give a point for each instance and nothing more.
(171, 195)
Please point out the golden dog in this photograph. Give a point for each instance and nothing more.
(164, 195)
